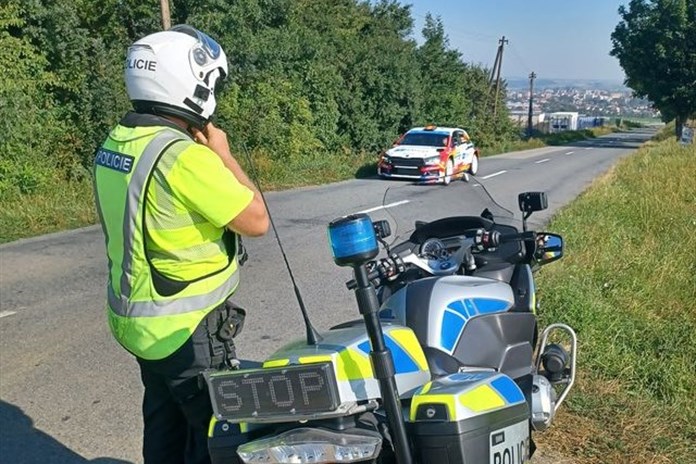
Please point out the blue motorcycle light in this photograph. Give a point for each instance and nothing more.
(352, 240)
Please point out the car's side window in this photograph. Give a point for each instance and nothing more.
(457, 137)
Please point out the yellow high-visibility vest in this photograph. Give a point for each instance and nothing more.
(152, 314)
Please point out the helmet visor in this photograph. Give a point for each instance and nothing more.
(205, 42)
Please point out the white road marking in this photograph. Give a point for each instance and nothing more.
(390, 205)
(570, 153)
(542, 161)
(7, 313)
(493, 175)
(589, 148)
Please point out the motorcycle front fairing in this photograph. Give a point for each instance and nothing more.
(471, 308)
(459, 298)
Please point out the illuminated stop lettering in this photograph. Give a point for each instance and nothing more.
(227, 391)
(310, 382)
(254, 381)
(285, 386)
(295, 390)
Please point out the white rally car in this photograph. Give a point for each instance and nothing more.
(431, 154)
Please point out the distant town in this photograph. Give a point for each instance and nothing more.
(585, 101)
(589, 99)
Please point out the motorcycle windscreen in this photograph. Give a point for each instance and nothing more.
(407, 205)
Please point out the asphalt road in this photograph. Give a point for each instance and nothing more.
(69, 394)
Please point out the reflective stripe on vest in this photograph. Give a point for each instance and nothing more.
(171, 307)
(120, 304)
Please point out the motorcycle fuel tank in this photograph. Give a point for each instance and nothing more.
(438, 308)
(453, 315)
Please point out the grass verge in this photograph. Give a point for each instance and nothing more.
(61, 204)
(542, 140)
(66, 205)
(315, 170)
(628, 286)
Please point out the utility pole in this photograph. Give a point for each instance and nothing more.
(532, 76)
(166, 17)
(495, 66)
(499, 62)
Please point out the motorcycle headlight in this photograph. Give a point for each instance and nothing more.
(431, 161)
(313, 446)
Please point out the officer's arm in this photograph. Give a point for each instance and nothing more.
(253, 220)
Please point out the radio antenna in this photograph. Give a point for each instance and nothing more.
(313, 337)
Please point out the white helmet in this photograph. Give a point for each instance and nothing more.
(174, 73)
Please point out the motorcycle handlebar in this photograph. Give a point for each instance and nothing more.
(520, 237)
(484, 240)
(492, 239)
(385, 268)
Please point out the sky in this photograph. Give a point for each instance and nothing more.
(558, 39)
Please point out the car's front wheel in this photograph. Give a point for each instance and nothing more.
(449, 169)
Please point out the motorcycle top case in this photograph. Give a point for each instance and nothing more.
(470, 417)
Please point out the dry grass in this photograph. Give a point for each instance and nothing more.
(628, 286)
(310, 170)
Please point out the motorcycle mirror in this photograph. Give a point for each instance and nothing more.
(549, 248)
(530, 202)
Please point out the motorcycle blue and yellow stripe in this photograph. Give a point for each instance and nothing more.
(461, 396)
(339, 367)
(348, 350)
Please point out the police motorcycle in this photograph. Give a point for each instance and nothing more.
(447, 364)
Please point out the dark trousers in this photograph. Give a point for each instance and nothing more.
(176, 408)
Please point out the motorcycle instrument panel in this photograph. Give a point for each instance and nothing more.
(285, 391)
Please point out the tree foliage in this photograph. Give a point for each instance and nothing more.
(309, 79)
(655, 43)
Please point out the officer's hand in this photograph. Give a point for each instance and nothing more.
(213, 138)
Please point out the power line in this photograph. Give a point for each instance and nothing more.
(517, 56)
(477, 36)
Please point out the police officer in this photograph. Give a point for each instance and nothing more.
(171, 199)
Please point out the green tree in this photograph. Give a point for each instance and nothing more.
(443, 78)
(455, 93)
(655, 43)
(29, 118)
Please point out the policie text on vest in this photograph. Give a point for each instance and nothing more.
(115, 161)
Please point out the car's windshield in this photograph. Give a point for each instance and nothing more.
(426, 139)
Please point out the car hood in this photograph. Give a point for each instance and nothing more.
(413, 151)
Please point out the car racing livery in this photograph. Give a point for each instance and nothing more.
(431, 154)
